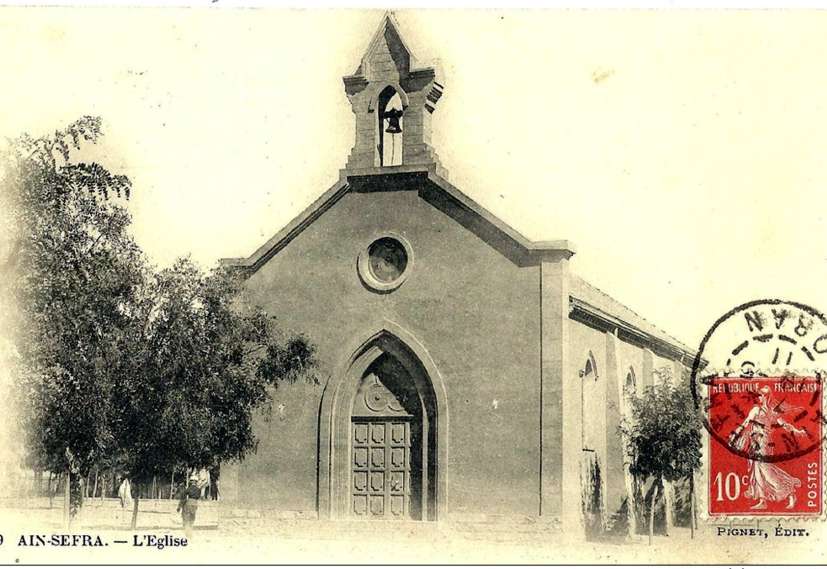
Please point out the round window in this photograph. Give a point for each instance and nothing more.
(383, 265)
(388, 259)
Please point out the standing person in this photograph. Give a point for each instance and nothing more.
(215, 490)
(125, 496)
(188, 503)
(204, 482)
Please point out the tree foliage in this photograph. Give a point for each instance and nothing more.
(205, 363)
(116, 363)
(663, 433)
(74, 268)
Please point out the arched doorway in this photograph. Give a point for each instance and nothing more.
(380, 436)
(388, 444)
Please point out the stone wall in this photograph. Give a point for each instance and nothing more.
(474, 310)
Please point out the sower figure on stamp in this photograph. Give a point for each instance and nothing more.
(766, 480)
(188, 496)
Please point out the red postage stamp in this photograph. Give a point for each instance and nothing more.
(765, 448)
(758, 380)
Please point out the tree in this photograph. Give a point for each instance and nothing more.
(73, 269)
(663, 437)
(205, 363)
(116, 364)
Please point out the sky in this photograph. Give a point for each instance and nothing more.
(682, 152)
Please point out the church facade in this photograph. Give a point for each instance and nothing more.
(467, 372)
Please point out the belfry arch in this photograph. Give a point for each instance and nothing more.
(389, 127)
(382, 450)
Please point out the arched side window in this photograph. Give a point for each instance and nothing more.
(589, 370)
(630, 385)
(389, 127)
(629, 391)
(589, 397)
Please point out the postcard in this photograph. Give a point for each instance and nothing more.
(412, 286)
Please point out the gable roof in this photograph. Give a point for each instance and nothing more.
(588, 303)
(593, 306)
(251, 264)
(287, 233)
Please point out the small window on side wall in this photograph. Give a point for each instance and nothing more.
(631, 383)
(589, 370)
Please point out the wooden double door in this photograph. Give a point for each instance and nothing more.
(386, 472)
(387, 480)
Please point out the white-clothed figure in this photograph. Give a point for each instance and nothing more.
(125, 497)
(767, 481)
(203, 482)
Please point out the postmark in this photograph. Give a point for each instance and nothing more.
(758, 379)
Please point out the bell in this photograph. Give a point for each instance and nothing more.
(393, 116)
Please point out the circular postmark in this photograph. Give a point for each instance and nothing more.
(758, 377)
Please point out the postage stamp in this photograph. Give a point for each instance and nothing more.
(759, 378)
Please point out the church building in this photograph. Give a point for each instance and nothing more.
(467, 372)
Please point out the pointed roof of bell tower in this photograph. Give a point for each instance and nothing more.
(386, 41)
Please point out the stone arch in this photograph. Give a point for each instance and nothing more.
(590, 367)
(377, 88)
(588, 393)
(629, 387)
(389, 127)
(334, 441)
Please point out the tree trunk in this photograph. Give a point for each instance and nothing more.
(135, 499)
(692, 506)
(172, 485)
(51, 493)
(66, 499)
(652, 510)
(95, 486)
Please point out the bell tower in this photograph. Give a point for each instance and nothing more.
(392, 100)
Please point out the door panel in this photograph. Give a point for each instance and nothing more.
(381, 468)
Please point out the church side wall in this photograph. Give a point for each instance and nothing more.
(474, 311)
(604, 404)
(590, 409)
